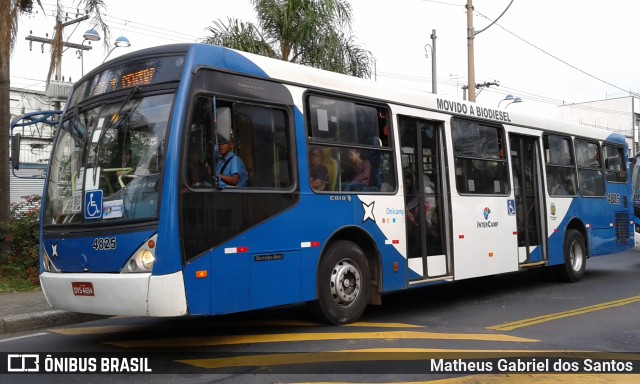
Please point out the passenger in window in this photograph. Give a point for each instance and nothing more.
(318, 173)
(361, 171)
(555, 186)
(232, 172)
(383, 126)
(126, 159)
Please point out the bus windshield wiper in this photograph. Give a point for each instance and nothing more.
(118, 118)
(77, 131)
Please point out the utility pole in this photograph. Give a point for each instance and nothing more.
(471, 34)
(471, 72)
(58, 59)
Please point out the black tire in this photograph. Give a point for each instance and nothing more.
(343, 284)
(575, 258)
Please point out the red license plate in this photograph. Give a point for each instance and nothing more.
(82, 289)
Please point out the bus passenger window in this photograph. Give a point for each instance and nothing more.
(560, 166)
(358, 134)
(479, 158)
(590, 175)
(614, 164)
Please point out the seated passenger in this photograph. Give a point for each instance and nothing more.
(555, 186)
(361, 172)
(318, 173)
(232, 170)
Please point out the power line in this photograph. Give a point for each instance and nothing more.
(444, 3)
(561, 60)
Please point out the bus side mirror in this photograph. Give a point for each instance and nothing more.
(15, 150)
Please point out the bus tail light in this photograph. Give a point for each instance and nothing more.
(143, 259)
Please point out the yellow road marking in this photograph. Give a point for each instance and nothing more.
(382, 325)
(201, 341)
(542, 378)
(269, 323)
(555, 316)
(538, 378)
(95, 330)
(380, 354)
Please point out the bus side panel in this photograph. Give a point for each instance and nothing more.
(560, 210)
(484, 236)
(383, 217)
(275, 262)
(600, 219)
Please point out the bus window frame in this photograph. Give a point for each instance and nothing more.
(623, 163)
(289, 120)
(386, 150)
(504, 158)
(582, 191)
(548, 163)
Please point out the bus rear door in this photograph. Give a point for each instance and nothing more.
(422, 165)
(526, 165)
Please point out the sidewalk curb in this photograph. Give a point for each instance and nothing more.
(35, 320)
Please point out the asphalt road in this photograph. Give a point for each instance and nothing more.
(447, 332)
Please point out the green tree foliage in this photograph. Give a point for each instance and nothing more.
(309, 32)
(9, 12)
(21, 234)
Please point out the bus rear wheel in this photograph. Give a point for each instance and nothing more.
(343, 283)
(575, 258)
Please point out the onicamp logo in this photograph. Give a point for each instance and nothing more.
(486, 212)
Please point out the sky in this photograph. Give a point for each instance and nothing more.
(547, 52)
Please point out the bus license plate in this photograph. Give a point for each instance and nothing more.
(82, 289)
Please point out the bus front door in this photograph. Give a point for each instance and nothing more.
(424, 191)
(527, 165)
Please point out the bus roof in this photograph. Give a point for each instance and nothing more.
(290, 73)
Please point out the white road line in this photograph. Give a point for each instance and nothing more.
(24, 337)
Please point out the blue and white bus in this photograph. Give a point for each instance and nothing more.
(414, 190)
(635, 190)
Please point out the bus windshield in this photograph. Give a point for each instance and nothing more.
(110, 153)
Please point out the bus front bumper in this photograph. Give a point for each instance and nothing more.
(128, 294)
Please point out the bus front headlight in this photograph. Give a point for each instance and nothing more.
(143, 259)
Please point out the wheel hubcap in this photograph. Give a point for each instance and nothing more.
(576, 256)
(345, 283)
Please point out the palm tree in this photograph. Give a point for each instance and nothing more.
(9, 12)
(309, 32)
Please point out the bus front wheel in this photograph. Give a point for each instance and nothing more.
(575, 257)
(343, 283)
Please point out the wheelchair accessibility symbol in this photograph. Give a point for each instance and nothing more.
(93, 204)
(511, 207)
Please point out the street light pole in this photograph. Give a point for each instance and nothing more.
(434, 76)
(120, 42)
(90, 35)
